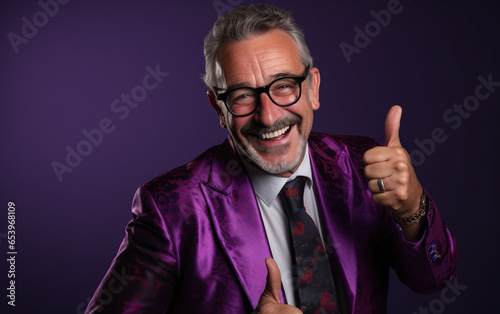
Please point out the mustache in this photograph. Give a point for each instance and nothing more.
(254, 128)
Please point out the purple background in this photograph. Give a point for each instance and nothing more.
(66, 77)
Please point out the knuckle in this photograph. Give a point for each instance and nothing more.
(400, 152)
(396, 207)
(404, 179)
(401, 166)
(401, 194)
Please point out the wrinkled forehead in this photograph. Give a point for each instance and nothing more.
(258, 59)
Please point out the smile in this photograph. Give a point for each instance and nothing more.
(271, 135)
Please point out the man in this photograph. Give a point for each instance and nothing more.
(202, 233)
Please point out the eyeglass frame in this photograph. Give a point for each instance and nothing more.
(264, 89)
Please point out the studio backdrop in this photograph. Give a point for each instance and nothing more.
(99, 97)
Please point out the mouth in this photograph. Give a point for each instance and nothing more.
(275, 134)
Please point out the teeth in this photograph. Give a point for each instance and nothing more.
(274, 134)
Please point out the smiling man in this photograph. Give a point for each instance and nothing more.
(333, 212)
(269, 128)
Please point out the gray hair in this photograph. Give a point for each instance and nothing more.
(243, 23)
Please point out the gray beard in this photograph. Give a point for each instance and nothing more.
(277, 166)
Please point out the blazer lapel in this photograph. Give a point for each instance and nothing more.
(236, 218)
(331, 170)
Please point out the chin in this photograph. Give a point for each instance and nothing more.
(278, 166)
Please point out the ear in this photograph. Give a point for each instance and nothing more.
(315, 81)
(213, 102)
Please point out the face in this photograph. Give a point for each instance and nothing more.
(273, 138)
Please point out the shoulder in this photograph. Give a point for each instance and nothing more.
(334, 145)
(182, 179)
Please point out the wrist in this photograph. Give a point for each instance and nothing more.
(417, 216)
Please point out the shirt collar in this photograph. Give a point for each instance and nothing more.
(268, 186)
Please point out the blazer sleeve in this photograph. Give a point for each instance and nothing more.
(427, 265)
(142, 276)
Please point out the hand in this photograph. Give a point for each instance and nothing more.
(269, 301)
(393, 164)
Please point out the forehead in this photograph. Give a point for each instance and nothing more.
(255, 60)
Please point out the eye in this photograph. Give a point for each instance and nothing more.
(241, 96)
(283, 86)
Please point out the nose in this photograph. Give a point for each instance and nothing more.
(268, 112)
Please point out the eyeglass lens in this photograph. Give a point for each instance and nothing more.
(283, 92)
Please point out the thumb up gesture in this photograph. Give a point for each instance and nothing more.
(269, 302)
(392, 180)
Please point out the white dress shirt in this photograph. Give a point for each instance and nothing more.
(267, 187)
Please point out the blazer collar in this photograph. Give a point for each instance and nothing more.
(237, 221)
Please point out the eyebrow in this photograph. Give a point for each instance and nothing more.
(270, 79)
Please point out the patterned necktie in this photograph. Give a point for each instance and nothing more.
(313, 283)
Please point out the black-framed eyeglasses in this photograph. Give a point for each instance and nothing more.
(244, 101)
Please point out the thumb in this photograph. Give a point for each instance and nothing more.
(273, 285)
(392, 122)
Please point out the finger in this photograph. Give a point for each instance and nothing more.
(377, 154)
(378, 170)
(385, 199)
(374, 186)
(392, 123)
(273, 285)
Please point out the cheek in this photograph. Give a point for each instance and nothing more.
(235, 125)
(307, 118)
(306, 112)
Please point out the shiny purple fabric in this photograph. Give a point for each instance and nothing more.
(196, 243)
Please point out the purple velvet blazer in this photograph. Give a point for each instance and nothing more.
(196, 243)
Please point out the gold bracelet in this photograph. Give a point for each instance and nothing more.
(419, 215)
